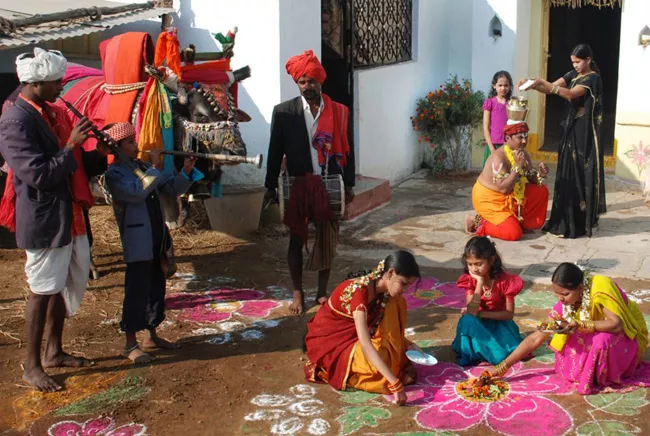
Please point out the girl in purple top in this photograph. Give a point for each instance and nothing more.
(495, 115)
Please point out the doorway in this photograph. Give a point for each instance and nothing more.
(601, 29)
(336, 42)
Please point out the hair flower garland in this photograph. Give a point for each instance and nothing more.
(359, 283)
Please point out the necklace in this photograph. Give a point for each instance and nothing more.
(582, 311)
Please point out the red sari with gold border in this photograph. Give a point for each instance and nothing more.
(332, 339)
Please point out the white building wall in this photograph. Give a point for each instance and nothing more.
(300, 30)
(458, 16)
(490, 55)
(257, 45)
(386, 96)
(632, 108)
(522, 36)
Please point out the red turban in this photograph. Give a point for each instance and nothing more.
(306, 64)
(513, 129)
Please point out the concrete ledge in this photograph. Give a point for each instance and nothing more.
(238, 211)
(370, 193)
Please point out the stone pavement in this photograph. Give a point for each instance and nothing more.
(426, 216)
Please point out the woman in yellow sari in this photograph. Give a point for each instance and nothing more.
(606, 334)
(357, 338)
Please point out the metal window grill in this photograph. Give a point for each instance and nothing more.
(382, 32)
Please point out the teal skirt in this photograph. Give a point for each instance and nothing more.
(484, 340)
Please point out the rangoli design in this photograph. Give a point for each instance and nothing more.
(430, 291)
(221, 304)
(364, 410)
(296, 413)
(522, 409)
(102, 426)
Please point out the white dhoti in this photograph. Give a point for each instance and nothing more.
(63, 270)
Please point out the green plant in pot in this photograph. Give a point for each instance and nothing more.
(444, 118)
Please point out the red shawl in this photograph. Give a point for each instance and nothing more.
(331, 137)
(61, 127)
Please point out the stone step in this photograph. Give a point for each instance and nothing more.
(370, 193)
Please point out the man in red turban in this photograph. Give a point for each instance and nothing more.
(509, 196)
(306, 64)
(515, 128)
(309, 132)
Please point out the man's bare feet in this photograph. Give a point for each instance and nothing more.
(155, 341)
(62, 360)
(321, 299)
(469, 225)
(136, 355)
(297, 306)
(39, 380)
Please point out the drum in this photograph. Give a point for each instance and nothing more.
(333, 185)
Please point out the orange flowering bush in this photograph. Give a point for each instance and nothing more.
(441, 116)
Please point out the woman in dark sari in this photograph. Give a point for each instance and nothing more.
(579, 194)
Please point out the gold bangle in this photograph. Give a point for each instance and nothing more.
(396, 387)
(390, 385)
(556, 89)
(501, 369)
(586, 326)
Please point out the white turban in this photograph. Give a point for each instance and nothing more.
(43, 66)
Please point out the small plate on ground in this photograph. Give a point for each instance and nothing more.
(421, 358)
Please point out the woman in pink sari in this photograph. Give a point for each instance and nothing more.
(604, 334)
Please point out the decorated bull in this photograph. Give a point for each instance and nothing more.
(183, 108)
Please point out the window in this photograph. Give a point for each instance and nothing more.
(382, 32)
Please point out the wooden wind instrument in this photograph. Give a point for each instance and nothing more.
(105, 138)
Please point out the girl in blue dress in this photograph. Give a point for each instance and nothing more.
(486, 331)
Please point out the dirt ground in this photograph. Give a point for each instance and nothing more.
(240, 367)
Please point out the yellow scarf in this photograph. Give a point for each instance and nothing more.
(519, 189)
(605, 294)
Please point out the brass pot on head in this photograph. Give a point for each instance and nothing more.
(517, 109)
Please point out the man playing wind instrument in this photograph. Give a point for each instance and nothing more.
(509, 196)
(44, 203)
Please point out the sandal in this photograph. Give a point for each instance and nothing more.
(141, 359)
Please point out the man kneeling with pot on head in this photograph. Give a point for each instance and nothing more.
(509, 196)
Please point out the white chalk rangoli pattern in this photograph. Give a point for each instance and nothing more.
(291, 414)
